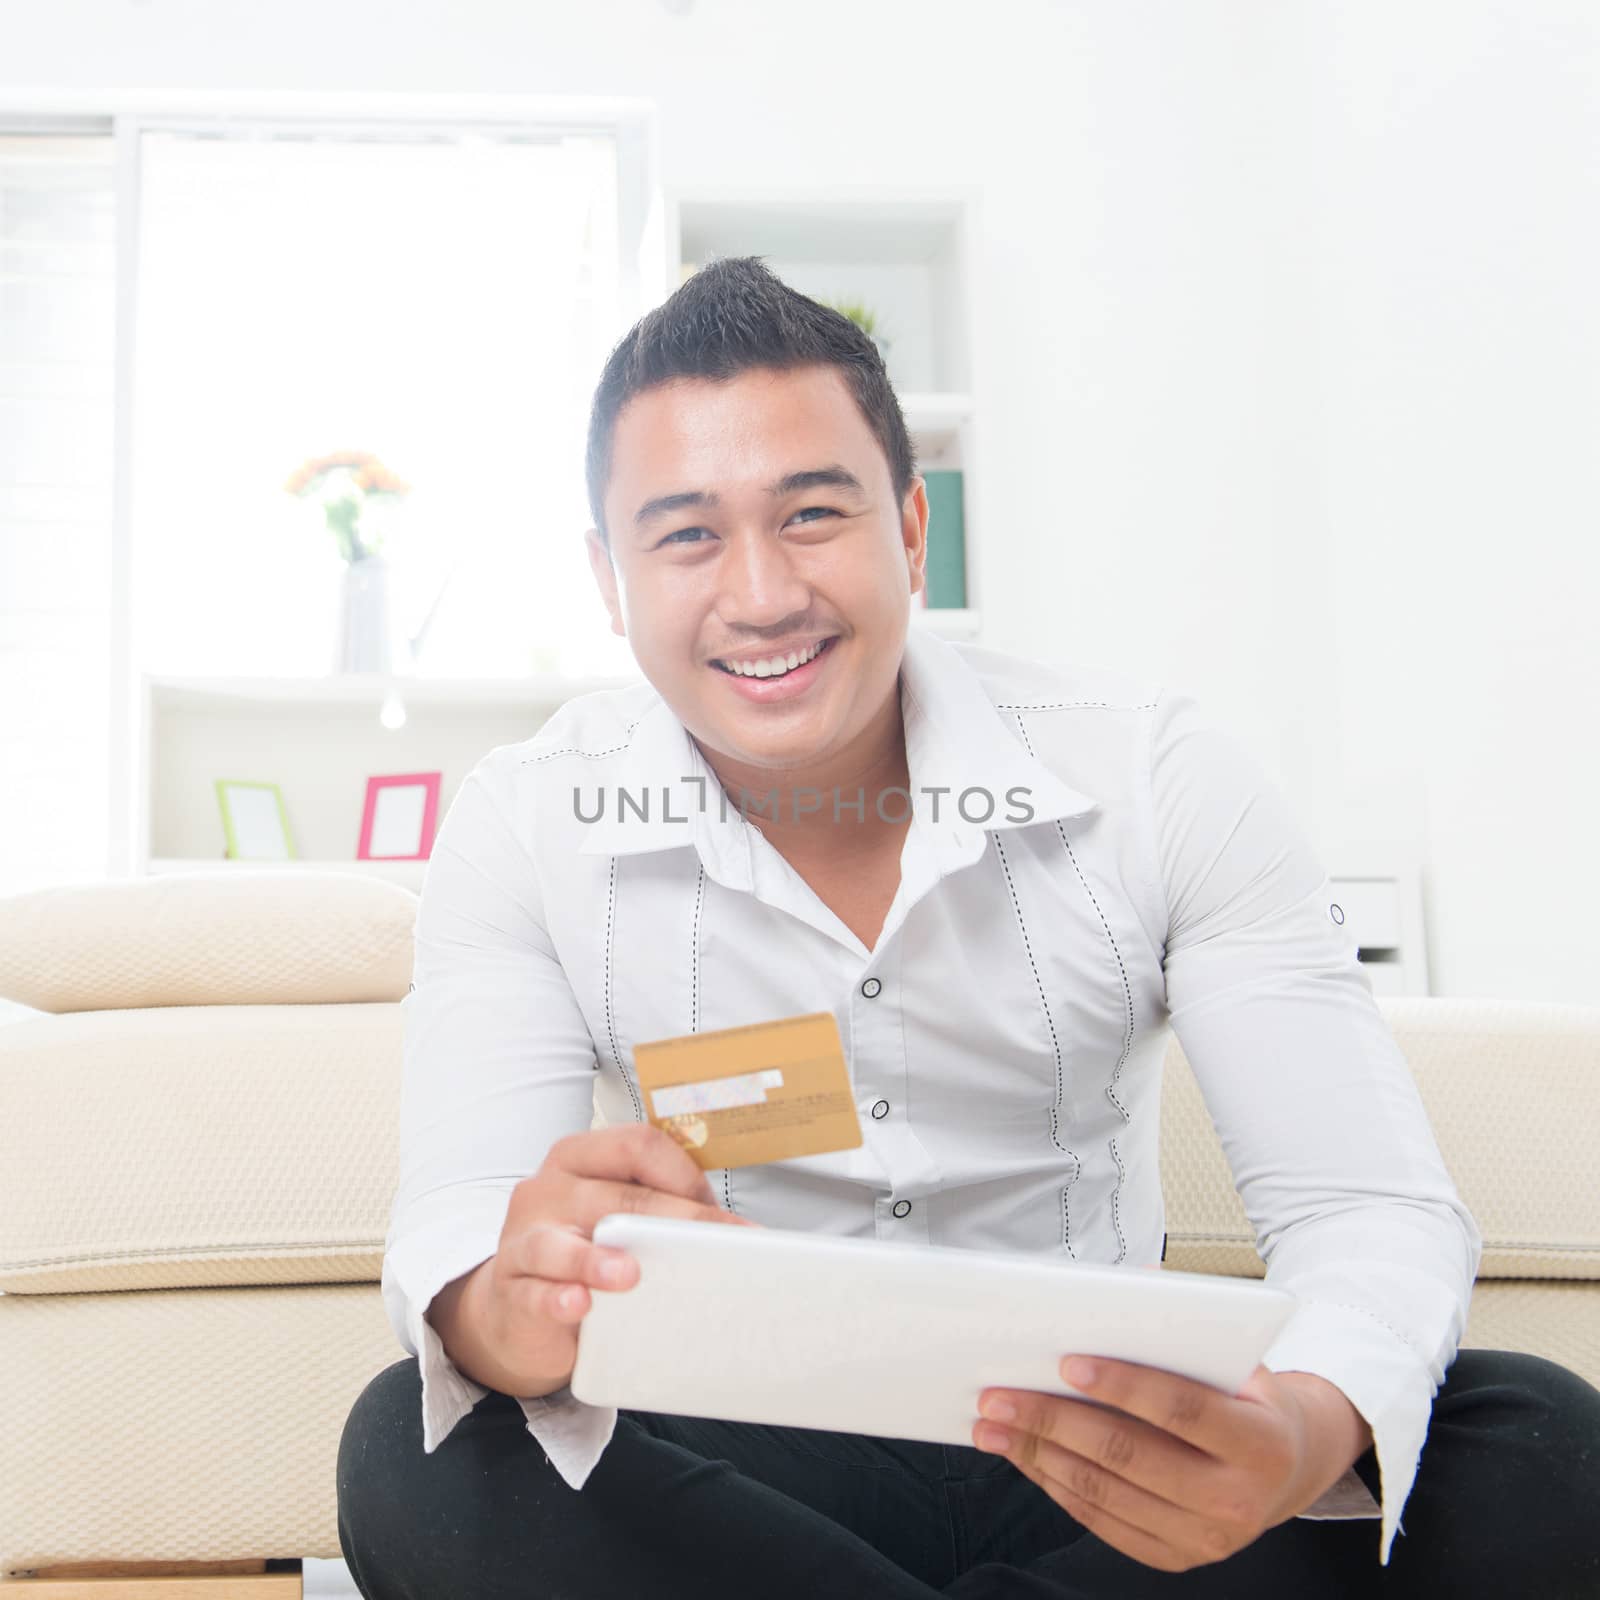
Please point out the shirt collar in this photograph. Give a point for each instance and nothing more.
(663, 773)
(957, 739)
(956, 742)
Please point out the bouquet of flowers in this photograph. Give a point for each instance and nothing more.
(343, 483)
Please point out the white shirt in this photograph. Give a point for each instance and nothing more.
(1007, 1053)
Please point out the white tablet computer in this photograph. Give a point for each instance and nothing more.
(808, 1330)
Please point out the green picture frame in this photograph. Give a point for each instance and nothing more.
(253, 816)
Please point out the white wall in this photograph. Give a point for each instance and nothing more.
(1289, 347)
(1459, 304)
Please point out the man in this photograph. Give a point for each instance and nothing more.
(1004, 880)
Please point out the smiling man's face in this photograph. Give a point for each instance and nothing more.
(755, 518)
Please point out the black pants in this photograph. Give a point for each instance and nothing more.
(1506, 1504)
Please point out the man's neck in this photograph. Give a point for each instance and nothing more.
(833, 805)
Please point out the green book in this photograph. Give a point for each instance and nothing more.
(946, 566)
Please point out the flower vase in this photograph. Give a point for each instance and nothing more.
(364, 630)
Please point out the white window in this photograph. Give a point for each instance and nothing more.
(443, 300)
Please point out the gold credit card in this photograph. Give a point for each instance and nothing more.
(737, 1096)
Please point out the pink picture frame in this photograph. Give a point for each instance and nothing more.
(399, 817)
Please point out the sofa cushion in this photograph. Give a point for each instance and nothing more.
(192, 1146)
(245, 936)
(198, 1146)
(1501, 1080)
(182, 1425)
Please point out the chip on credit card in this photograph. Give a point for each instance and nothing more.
(734, 1097)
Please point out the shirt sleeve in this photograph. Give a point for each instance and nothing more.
(1330, 1148)
(498, 1064)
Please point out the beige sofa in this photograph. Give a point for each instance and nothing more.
(197, 1152)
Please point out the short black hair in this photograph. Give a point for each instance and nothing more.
(734, 315)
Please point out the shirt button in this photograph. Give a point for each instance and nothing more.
(870, 988)
(901, 1207)
(881, 1110)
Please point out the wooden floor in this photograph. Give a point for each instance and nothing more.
(317, 1580)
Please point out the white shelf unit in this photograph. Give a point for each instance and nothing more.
(319, 740)
(907, 254)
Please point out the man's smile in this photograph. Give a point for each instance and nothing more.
(773, 674)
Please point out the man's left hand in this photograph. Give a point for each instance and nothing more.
(1189, 1475)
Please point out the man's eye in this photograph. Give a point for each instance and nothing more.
(678, 536)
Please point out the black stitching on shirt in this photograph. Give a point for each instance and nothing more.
(1069, 705)
(694, 997)
(611, 1026)
(694, 953)
(1127, 1044)
(1494, 1244)
(588, 755)
(1127, 1034)
(1381, 1320)
(1044, 1005)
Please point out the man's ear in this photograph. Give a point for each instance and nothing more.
(605, 575)
(914, 532)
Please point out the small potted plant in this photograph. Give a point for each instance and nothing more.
(865, 318)
(345, 484)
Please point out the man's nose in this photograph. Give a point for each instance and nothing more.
(761, 584)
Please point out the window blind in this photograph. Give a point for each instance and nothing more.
(57, 365)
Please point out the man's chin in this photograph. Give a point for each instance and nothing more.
(755, 738)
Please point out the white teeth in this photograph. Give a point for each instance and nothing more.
(774, 666)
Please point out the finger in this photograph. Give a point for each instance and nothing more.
(561, 1251)
(1108, 1527)
(1187, 1409)
(547, 1300)
(556, 1268)
(1127, 1446)
(564, 1302)
(1175, 1526)
(597, 1200)
(640, 1154)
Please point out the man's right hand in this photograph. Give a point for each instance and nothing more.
(522, 1308)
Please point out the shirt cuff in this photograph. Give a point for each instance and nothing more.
(1348, 1500)
(1385, 1380)
(448, 1394)
(573, 1433)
